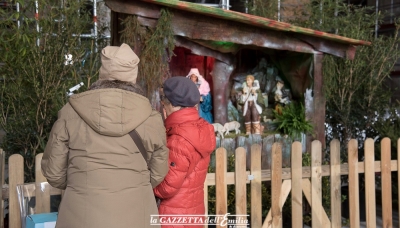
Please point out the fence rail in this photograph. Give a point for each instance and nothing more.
(298, 180)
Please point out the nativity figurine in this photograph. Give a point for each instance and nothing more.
(251, 110)
(281, 96)
(232, 126)
(205, 105)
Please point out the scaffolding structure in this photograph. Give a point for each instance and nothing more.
(224, 4)
(93, 31)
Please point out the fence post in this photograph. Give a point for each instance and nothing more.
(316, 184)
(256, 215)
(369, 169)
(386, 183)
(16, 177)
(42, 191)
(297, 192)
(2, 164)
(206, 200)
(276, 183)
(220, 182)
(240, 183)
(354, 187)
(398, 172)
(336, 185)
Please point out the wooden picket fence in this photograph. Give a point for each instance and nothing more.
(298, 180)
(301, 180)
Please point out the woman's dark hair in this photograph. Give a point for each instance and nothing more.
(117, 84)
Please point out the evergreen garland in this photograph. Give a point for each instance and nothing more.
(157, 49)
(133, 33)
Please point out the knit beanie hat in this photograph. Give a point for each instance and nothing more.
(119, 63)
(181, 91)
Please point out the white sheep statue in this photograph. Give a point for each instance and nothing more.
(230, 126)
(219, 129)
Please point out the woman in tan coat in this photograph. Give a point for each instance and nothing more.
(91, 155)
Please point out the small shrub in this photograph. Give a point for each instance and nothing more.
(292, 121)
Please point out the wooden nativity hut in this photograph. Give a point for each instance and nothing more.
(226, 46)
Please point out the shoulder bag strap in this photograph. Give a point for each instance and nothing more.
(138, 141)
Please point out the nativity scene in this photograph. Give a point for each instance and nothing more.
(249, 69)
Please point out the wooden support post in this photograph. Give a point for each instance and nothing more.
(220, 184)
(316, 183)
(354, 188)
(206, 200)
(2, 168)
(370, 201)
(240, 183)
(386, 183)
(276, 183)
(297, 190)
(42, 189)
(336, 196)
(255, 184)
(16, 177)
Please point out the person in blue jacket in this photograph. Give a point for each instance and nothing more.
(205, 105)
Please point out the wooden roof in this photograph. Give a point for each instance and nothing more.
(253, 20)
(219, 25)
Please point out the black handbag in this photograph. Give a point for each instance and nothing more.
(138, 141)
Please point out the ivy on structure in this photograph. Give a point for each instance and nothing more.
(133, 33)
(157, 47)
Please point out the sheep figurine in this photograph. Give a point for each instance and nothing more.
(230, 126)
(219, 129)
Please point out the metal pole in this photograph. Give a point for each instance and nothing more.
(321, 8)
(376, 21)
(279, 10)
(336, 14)
(223, 4)
(18, 21)
(79, 13)
(37, 21)
(95, 24)
(391, 11)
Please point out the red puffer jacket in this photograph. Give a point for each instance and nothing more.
(191, 140)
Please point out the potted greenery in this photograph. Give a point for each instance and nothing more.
(291, 120)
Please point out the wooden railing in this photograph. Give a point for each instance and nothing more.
(298, 180)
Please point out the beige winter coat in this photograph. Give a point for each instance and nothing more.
(91, 155)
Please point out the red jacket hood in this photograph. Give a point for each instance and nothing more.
(188, 124)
